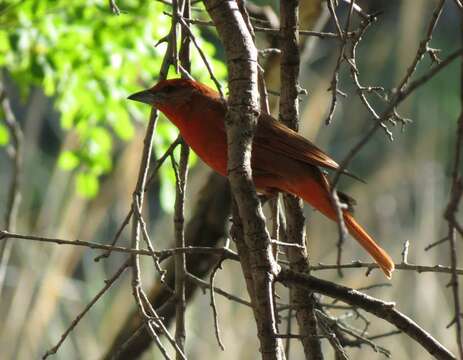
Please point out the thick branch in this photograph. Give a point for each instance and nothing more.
(240, 122)
(379, 308)
(289, 115)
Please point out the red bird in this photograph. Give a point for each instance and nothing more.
(282, 160)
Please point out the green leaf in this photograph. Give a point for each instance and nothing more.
(4, 135)
(69, 49)
(87, 185)
(68, 160)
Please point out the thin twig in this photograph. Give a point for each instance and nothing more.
(272, 31)
(180, 259)
(162, 159)
(114, 8)
(398, 98)
(369, 266)
(115, 238)
(342, 229)
(436, 243)
(161, 255)
(160, 324)
(319, 34)
(205, 285)
(203, 57)
(148, 242)
(108, 284)
(213, 304)
(335, 323)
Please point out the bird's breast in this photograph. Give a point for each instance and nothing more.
(208, 140)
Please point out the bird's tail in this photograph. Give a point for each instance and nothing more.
(381, 257)
(316, 192)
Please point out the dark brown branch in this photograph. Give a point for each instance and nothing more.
(379, 308)
(369, 266)
(295, 228)
(160, 254)
(338, 327)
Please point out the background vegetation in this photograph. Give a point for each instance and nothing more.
(68, 68)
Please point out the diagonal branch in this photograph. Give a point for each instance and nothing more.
(379, 308)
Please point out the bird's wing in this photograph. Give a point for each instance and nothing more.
(272, 135)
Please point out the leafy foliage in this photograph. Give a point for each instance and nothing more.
(4, 136)
(89, 60)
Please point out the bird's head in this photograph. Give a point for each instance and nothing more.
(173, 93)
(181, 100)
(165, 93)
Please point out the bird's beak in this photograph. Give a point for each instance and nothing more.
(145, 96)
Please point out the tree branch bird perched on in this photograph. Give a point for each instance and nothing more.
(282, 160)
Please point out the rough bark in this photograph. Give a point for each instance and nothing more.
(240, 122)
(302, 299)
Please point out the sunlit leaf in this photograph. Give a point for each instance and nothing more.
(4, 135)
(87, 184)
(71, 51)
(68, 160)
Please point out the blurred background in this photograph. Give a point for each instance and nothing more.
(68, 68)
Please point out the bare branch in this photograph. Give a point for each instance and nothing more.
(398, 98)
(205, 285)
(213, 304)
(240, 123)
(161, 255)
(114, 8)
(14, 151)
(295, 228)
(369, 266)
(379, 308)
(108, 284)
(181, 175)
